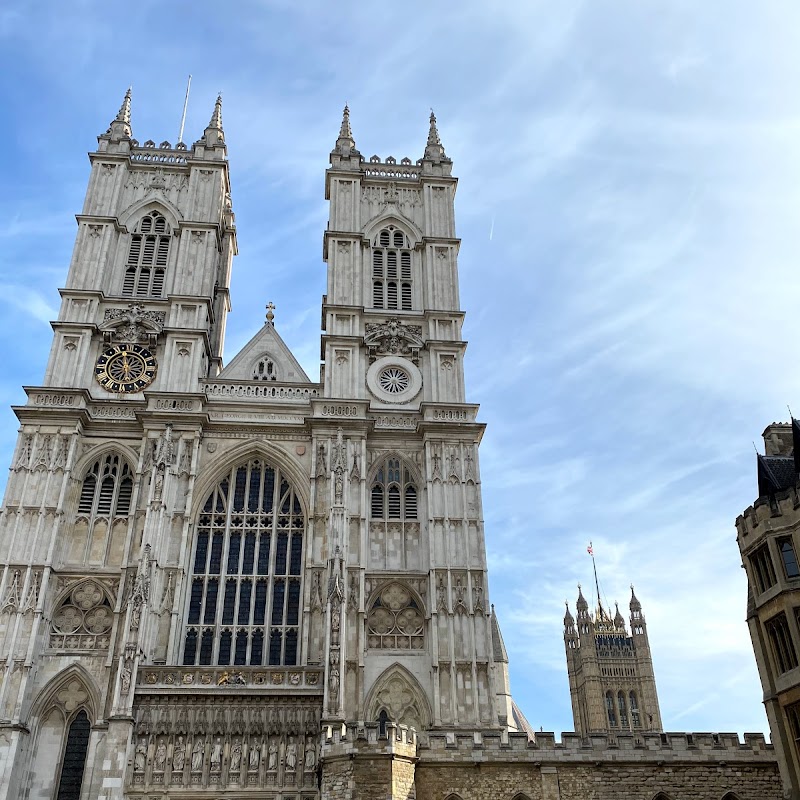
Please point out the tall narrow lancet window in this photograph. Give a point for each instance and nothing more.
(104, 505)
(245, 589)
(147, 257)
(394, 492)
(74, 762)
(391, 271)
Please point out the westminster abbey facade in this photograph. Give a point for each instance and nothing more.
(233, 580)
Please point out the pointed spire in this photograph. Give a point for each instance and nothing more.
(345, 144)
(434, 148)
(344, 131)
(216, 117)
(124, 113)
(581, 603)
(120, 126)
(636, 606)
(619, 621)
(213, 134)
(498, 645)
(568, 619)
(433, 131)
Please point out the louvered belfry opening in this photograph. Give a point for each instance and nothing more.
(391, 271)
(148, 256)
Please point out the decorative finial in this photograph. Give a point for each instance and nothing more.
(344, 131)
(216, 117)
(120, 126)
(270, 314)
(346, 144)
(124, 113)
(433, 132)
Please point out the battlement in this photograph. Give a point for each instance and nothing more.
(776, 511)
(491, 746)
(347, 739)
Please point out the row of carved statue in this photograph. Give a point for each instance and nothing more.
(235, 754)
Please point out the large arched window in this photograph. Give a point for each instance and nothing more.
(74, 762)
(623, 710)
(612, 714)
(391, 270)
(394, 492)
(244, 598)
(147, 257)
(634, 706)
(101, 523)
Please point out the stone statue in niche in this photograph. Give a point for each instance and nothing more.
(254, 756)
(179, 755)
(236, 755)
(216, 755)
(198, 755)
(272, 763)
(311, 755)
(161, 755)
(291, 755)
(140, 757)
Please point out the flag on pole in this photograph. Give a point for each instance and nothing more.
(589, 549)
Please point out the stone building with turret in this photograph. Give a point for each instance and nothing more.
(769, 537)
(611, 680)
(236, 580)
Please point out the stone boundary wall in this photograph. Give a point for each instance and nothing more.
(498, 766)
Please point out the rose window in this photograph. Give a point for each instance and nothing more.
(395, 620)
(394, 380)
(83, 620)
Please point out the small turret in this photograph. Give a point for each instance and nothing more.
(434, 148)
(619, 620)
(345, 144)
(581, 605)
(213, 135)
(635, 606)
(569, 622)
(120, 127)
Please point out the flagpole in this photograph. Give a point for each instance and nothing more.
(596, 582)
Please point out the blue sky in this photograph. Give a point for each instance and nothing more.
(629, 179)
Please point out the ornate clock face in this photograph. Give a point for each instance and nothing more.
(126, 368)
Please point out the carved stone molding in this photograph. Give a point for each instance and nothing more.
(132, 324)
(393, 338)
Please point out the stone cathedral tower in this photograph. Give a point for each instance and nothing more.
(206, 566)
(611, 678)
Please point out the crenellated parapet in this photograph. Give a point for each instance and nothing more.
(480, 765)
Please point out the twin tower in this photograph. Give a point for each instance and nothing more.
(207, 565)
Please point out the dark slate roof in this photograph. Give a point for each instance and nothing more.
(775, 473)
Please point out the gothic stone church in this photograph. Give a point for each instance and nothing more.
(236, 581)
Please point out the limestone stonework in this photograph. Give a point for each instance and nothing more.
(234, 580)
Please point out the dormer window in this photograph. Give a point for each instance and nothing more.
(391, 270)
(147, 257)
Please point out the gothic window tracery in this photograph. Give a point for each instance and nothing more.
(83, 619)
(391, 270)
(394, 492)
(395, 620)
(148, 255)
(104, 505)
(265, 370)
(244, 596)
